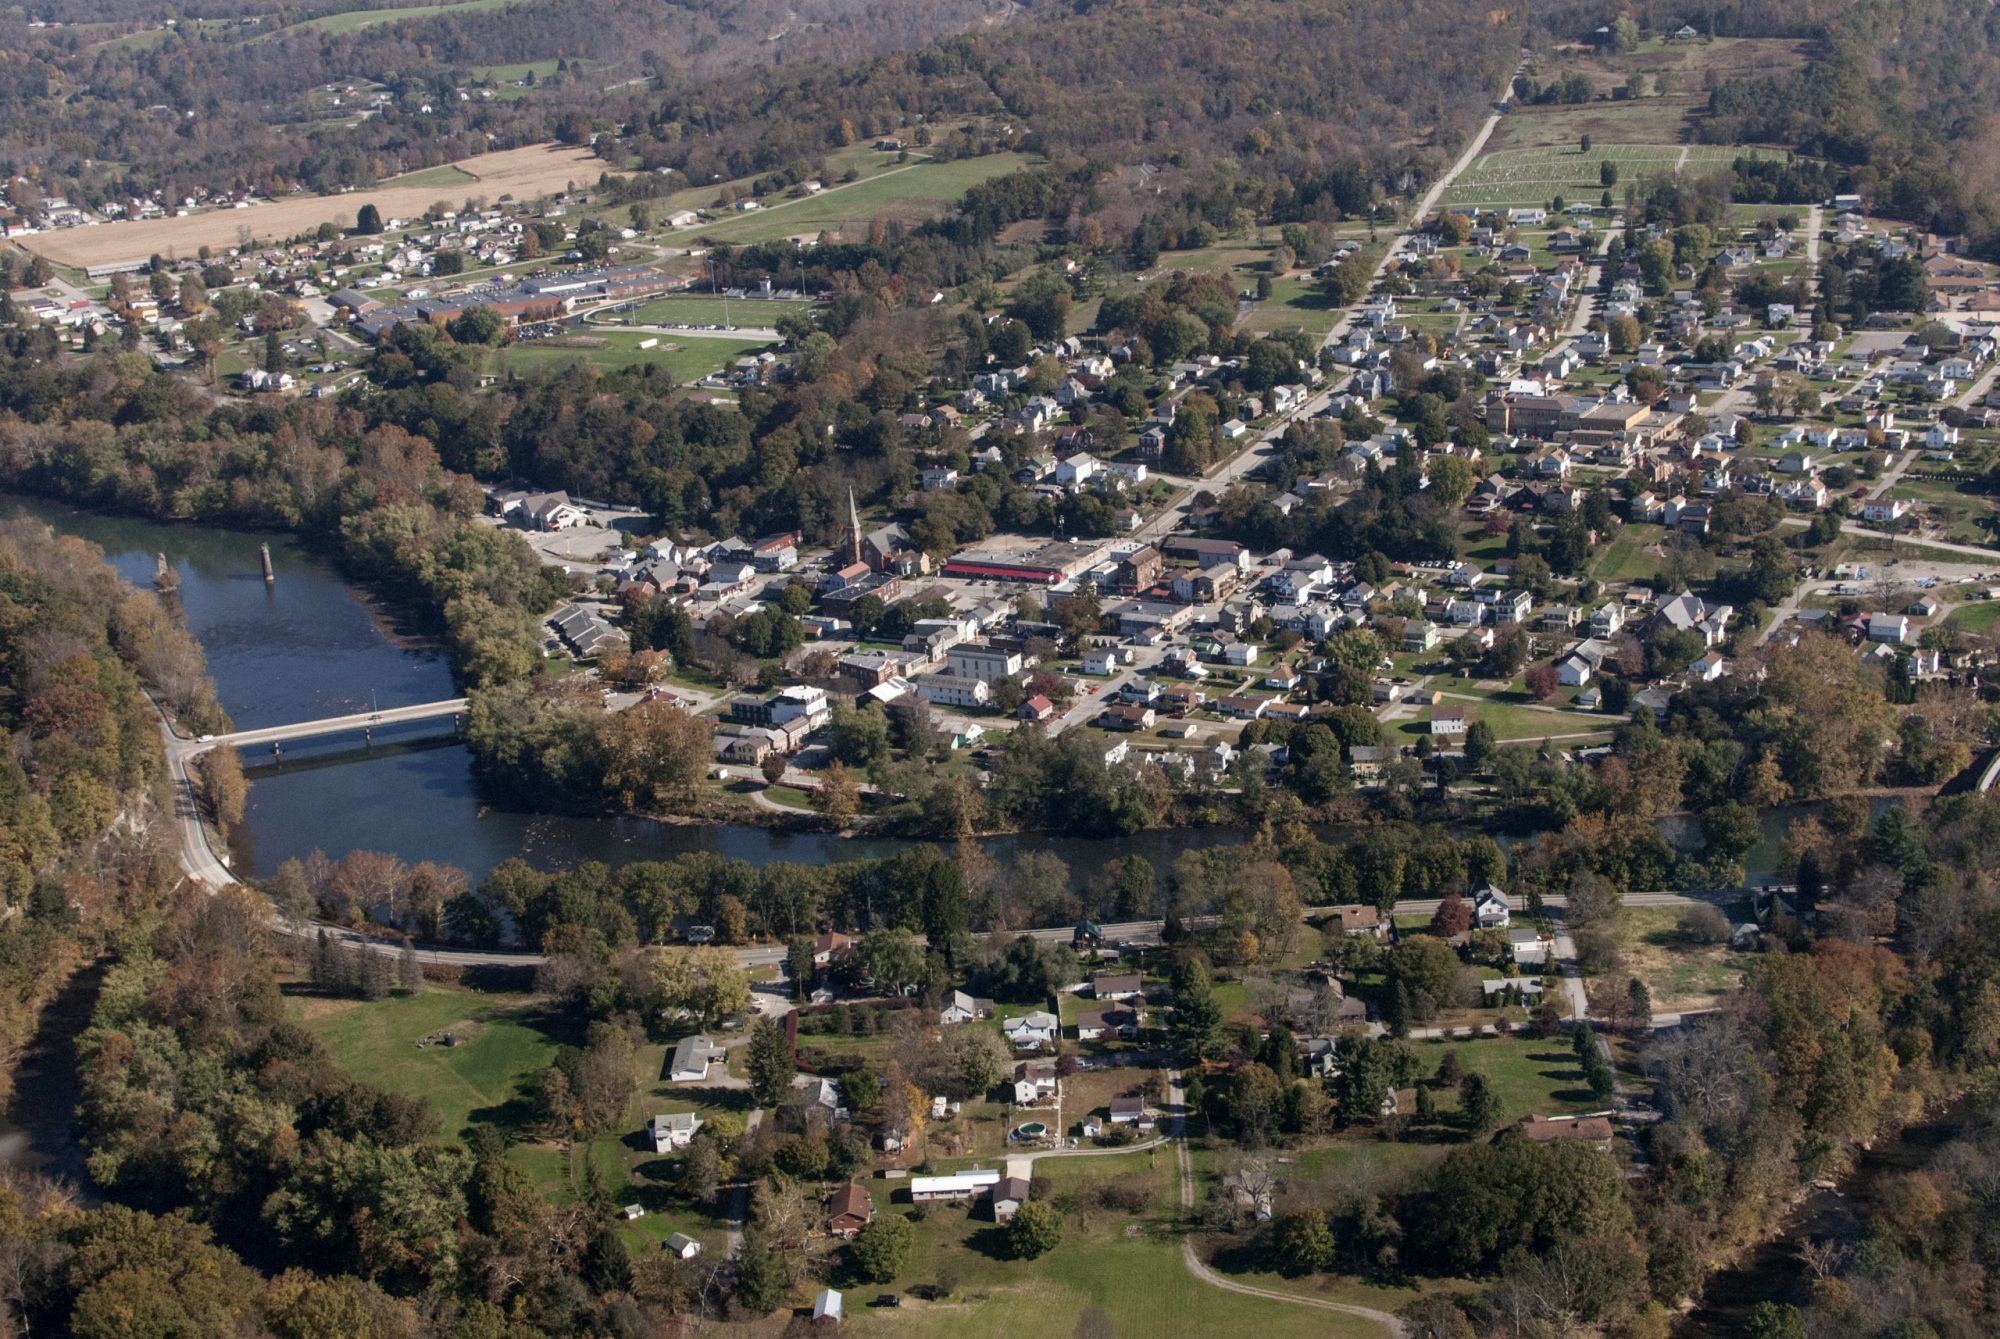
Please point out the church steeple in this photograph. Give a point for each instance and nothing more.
(853, 529)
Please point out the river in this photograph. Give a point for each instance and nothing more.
(309, 644)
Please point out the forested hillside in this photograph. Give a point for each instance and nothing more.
(83, 852)
(1902, 93)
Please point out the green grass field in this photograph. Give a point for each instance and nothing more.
(503, 1041)
(910, 190)
(445, 178)
(1975, 618)
(686, 360)
(1625, 558)
(356, 19)
(1511, 721)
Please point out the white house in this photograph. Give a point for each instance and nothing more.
(692, 1057)
(1031, 1031)
(1888, 628)
(1101, 660)
(963, 1008)
(1490, 910)
(673, 1129)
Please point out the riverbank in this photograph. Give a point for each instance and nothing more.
(1775, 1269)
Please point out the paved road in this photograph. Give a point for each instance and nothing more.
(1894, 474)
(1989, 556)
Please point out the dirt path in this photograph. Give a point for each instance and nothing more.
(1200, 1269)
(739, 1199)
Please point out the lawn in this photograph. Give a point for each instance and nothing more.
(1680, 976)
(1530, 1076)
(1515, 722)
(917, 188)
(1975, 618)
(1127, 1265)
(1625, 558)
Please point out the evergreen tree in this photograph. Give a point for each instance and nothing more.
(771, 1062)
(409, 971)
(1478, 1103)
(760, 1276)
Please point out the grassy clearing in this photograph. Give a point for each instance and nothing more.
(503, 1040)
(1530, 1076)
(445, 178)
(1680, 976)
(356, 19)
(1515, 722)
(913, 190)
(1625, 558)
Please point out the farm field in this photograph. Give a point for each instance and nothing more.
(912, 191)
(522, 173)
(1533, 176)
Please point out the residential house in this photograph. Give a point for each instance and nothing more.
(848, 1210)
(1130, 1109)
(1361, 920)
(1450, 721)
(1114, 985)
(1032, 1031)
(673, 1129)
(1036, 1083)
(1594, 1130)
(964, 1008)
(1102, 1024)
(1490, 910)
(1009, 1193)
(691, 1059)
